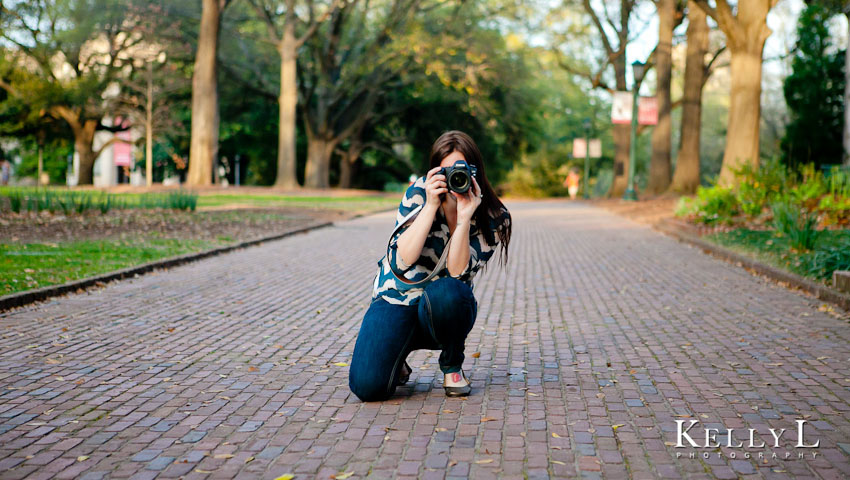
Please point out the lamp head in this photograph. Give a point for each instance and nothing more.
(639, 69)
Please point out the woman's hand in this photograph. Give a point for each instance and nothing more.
(468, 202)
(435, 185)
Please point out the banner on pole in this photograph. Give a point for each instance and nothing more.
(621, 109)
(648, 111)
(122, 149)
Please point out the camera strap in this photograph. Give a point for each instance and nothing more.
(403, 283)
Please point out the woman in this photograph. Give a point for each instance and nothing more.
(438, 314)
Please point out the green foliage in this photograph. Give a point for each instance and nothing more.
(538, 175)
(831, 251)
(799, 225)
(814, 93)
(757, 188)
(20, 199)
(715, 205)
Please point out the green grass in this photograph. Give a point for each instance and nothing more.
(831, 251)
(35, 265)
(337, 203)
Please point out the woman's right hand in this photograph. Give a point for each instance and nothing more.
(435, 185)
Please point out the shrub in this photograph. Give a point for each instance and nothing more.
(799, 225)
(716, 204)
(759, 187)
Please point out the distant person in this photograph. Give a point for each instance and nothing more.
(571, 182)
(441, 232)
(5, 171)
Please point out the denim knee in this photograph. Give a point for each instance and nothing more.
(448, 309)
(369, 389)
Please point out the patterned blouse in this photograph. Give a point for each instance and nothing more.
(479, 251)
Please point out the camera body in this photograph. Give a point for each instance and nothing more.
(459, 176)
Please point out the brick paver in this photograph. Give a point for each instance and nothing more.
(587, 350)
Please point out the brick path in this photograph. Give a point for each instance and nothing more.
(600, 336)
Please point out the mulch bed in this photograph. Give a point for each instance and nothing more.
(238, 225)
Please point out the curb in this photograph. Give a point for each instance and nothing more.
(31, 296)
(816, 289)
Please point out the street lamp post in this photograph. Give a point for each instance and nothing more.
(638, 68)
(586, 178)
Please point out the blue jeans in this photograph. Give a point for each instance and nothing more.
(441, 321)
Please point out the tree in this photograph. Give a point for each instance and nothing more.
(282, 21)
(66, 60)
(746, 31)
(686, 178)
(205, 118)
(814, 93)
(669, 16)
(614, 55)
(351, 64)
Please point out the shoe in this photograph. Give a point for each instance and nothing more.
(404, 376)
(460, 390)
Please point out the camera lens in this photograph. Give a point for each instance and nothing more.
(459, 181)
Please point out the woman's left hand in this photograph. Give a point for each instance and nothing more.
(468, 202)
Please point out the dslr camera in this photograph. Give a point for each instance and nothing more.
(459, 176)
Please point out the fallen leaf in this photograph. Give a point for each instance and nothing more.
(82, 458)
(53, 361)
(488, 419)
(341, 364)
(341, 476)
(440, 429)
(249, 459)
(617, 426)
(476, 354)
(223, 456)
(481, 462)
(198, 470)
(252, 369)
(448, 411)
(555, 435)
(452, 463)
(533, 394)
(559, 463)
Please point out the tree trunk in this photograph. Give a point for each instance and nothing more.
(347, 165)
(687, 176)
(286, 176)
(847, 96)
(621, 134)
(319, 150)
(84, 145)
(742, 137)
(746, 33)
(659, 166)
(204, 143)
(149, 128)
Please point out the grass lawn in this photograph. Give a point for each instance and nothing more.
(336, 203)
(35, 265)
(831, 252)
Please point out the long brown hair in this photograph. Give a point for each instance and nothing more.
(491, 207)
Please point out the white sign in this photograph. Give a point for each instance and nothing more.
(579, 147)
(621, 107)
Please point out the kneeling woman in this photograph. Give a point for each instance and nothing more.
(422, 295)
